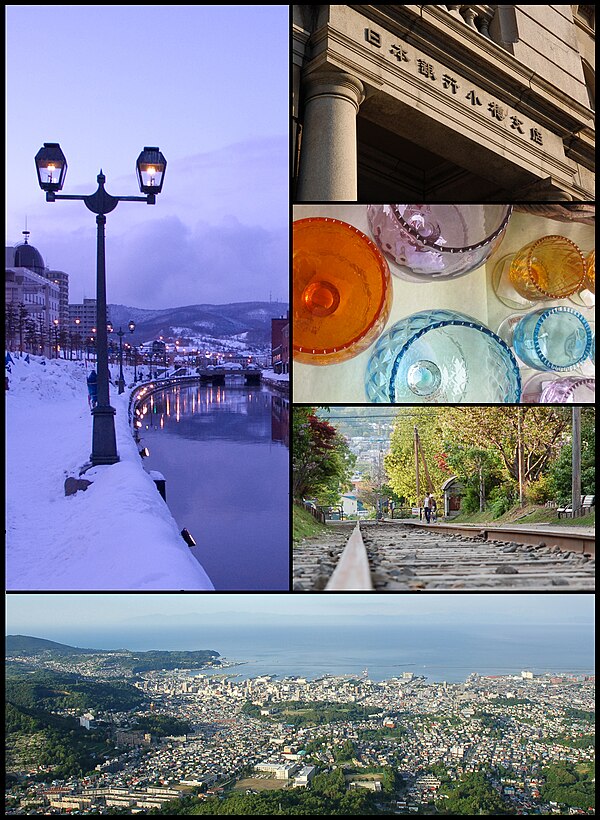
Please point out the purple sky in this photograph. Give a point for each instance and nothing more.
(209, 86)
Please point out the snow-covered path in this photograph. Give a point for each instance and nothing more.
(118, 534)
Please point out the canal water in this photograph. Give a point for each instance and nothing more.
(223, 451)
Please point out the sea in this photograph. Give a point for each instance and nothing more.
(385, 650)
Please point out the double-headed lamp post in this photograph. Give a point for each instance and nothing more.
(51, 168)
(120, 334)
(131, 327)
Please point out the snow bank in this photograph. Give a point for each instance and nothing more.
(118, 534)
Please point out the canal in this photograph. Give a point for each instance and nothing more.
(223, 451)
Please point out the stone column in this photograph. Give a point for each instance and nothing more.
(328, 159)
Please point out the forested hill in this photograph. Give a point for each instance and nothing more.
(27, 645)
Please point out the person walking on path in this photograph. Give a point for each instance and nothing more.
(427, 507)
(432, 508)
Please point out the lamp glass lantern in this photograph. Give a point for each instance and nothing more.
(150, 167)
(51, 166)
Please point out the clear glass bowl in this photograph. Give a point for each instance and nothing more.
(556, 338)
(342, 292)
(429, 243)
(442, 357)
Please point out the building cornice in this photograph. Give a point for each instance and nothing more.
(484, 62)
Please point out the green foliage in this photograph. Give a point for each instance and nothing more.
(570, 785)
(326, 796)
(58, 743)
(172, 659)
(472, 795)
(540, 490)
(581, 742)
(62, 690)
(308, 713)
(322, 462)
(162, 725)
(345, 752)
(561, 472)
(580, 714)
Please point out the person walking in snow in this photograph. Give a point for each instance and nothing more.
(92, 383)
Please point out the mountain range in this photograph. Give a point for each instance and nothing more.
(250, 321)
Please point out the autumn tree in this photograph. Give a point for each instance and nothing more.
(400, 461)
(322, 462)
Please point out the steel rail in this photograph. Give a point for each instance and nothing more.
(352, 571)
(583, 543)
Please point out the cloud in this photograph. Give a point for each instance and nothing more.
(218, 232)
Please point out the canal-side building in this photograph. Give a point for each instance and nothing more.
(443, 103)
(280, 344)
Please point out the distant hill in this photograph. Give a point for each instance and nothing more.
(252, 320)
(26, 645)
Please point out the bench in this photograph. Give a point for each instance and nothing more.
(587, 502)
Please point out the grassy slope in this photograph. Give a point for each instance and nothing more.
(304, 525)
(526, 515)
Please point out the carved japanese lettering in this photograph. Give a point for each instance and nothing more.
(373, 37)
(450, 82)
(517, 124)
(472, 96)
(426, 69)
(399, 53)
(536, 136)
(497, 111)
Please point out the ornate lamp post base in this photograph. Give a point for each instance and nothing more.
(104, 442)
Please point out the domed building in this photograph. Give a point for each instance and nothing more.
(33, 292)
(26, 256)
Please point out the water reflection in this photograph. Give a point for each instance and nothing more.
(223, 452)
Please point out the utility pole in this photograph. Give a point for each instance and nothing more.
(417, 467)
(520, 455)
(576, 462)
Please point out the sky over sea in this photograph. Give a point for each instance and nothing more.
(48, 616)
(208, 85)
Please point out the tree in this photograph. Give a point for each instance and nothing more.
(322, 461)
(400, 461)
(544, 431)
(477, 469)
(560, 474)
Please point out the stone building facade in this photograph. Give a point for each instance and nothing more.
(443, 103)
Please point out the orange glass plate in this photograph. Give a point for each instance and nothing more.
(342, 292)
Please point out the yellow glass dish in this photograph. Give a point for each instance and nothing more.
(552, 267)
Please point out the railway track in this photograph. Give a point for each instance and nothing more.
(398, 556)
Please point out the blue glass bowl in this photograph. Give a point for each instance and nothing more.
(556, 338)
(442, 357)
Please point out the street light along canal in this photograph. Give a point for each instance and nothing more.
(223, 452)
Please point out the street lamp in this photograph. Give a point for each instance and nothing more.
(55, 323)
(77, 323)
(120, 334)
(131, 327)
(51, 167)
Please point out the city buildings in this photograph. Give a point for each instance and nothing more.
(280, 344)
(460, 103)
(35, 297)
